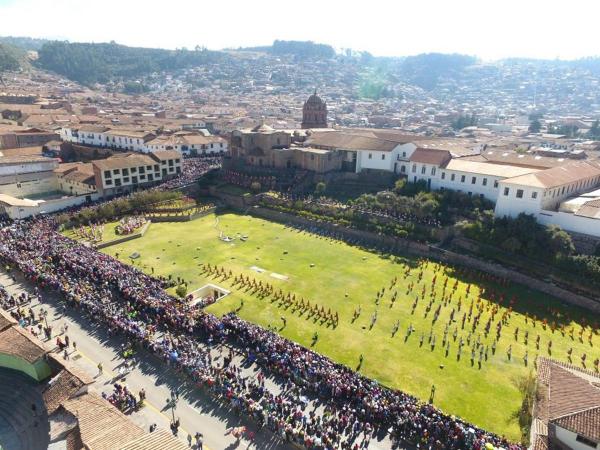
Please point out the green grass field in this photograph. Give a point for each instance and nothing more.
(344, 277)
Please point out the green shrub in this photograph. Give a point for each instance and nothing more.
(181, 290)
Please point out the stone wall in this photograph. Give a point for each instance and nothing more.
(125, 238)
(395, 245)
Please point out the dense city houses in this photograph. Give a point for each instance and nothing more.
(270, 121)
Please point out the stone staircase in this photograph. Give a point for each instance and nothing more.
(20, 428)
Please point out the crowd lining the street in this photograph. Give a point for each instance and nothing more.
(136, 305)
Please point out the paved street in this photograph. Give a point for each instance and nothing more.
(197, 412)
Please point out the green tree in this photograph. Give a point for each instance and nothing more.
(512, 245)
(595, 130)
(399, 185)
(535, 126)
(560, 241)
(320, 188)
(11, 58)
(181, 290)
(255, 187)
(464, 121)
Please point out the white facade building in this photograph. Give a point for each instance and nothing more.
(517, 189)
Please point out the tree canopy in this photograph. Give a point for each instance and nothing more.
(11, 58)
(97, 63)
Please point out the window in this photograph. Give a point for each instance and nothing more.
(433, 171)
(473, 180)
(414, 168)
(142, 169)
(462, 178)
(506, 191)
(484, 182)
(133, 169)
(126, 180)
(117, 182)
(534, 194)
(383, 157)
(452, 177)
(423, 170)
(403, 168)
(108, 182)
(370, 155)
(519, 193)
(443, 175)
(116, 171)
(496, 184)
(134, 179)
(125, 172)
(155, 167)
(585, 441)
(107, 174)
(404, 154)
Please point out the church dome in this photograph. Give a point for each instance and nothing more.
(314, 112)
(315, 100)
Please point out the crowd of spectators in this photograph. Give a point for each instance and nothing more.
(362, 209)
(136, 305)
(246, 180)
(191, 170)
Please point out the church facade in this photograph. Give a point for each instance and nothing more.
(314, 113)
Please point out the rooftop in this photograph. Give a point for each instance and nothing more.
(483, 168)
(557, 176)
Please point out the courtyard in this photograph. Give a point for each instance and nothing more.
(358, 286)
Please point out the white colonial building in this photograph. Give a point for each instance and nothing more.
(519, 185)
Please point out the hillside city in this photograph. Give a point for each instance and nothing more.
(296, 246)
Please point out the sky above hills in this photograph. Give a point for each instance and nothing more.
(488, 29)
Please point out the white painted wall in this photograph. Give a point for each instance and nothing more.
(44, 207)
(18, 168)
(370, 159)
(482, 185)
(570, 222)
(570, 439)
(511, 205)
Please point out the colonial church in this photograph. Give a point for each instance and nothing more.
(314, 112)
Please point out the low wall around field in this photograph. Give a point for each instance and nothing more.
(399, 246)
(182, 218)
(126, 238)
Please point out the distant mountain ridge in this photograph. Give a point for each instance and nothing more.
(306, 49)
(293, 65)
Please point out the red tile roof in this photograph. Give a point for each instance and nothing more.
(18, 342)
(585, 423)
(101, 425)
(430, 156)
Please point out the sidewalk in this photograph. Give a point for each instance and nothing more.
(197, 412)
